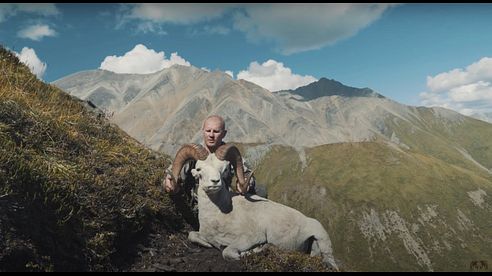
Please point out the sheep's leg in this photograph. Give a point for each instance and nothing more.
(319, 247)
(256, 249)
(315, 251)
(321, 244)
(233, 251)
(195, 237)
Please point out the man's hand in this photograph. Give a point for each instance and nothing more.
(170, 185)
(239, 188)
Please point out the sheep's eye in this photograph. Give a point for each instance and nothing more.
(198, 169)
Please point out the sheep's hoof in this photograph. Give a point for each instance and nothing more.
(256, 249)
(231, 253)
(195, 237)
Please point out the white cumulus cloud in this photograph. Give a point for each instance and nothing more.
(466, 90)
(28, 57)
(36, 32)
(274, 76)
(480, 70)
(141, 60)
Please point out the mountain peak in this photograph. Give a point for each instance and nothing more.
(326, 87)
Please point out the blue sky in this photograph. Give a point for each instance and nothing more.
(416, 54)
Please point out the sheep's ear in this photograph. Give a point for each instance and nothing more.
(195, 173)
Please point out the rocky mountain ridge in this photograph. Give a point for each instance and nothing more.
(167, 107)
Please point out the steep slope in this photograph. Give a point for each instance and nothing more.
(167, 107)
(401, 187)
(76, 193)
(79, 194)
(171, 104)
(416, 197)
(387, 209)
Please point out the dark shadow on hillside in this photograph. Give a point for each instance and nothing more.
(183, 206)
(33, 234)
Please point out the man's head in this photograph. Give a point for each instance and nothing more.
(214, 131)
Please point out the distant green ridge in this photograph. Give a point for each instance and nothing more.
(388, 209)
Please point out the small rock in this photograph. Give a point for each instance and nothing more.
(165, 268)
(174, 261)
(145, 249)
(194, 250)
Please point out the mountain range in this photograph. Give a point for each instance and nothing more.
(398, 187)
(165, 108)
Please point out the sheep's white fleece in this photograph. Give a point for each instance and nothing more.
(241, 223)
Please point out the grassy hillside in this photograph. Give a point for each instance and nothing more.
(75, 191)
(387, 209)
(463, 142)
(471, 134)
(79, 194)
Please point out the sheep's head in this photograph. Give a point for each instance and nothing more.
(187, 152)
(209, 173)
(227, 152)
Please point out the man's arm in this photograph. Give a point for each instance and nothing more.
(172, 185)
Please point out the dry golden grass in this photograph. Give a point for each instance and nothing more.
(76, 192)
(272, 259)
(84, 188)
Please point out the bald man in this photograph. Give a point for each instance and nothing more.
(213, 131)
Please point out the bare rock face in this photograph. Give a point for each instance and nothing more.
(165, 109)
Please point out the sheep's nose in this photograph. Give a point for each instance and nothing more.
(215, 181)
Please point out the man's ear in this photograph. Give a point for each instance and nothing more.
(225, 132)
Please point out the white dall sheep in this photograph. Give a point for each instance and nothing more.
(241, 223)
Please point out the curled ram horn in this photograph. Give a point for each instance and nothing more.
(231, 153)
(186, 152)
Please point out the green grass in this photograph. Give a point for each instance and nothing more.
(344, 181)
(440, 138)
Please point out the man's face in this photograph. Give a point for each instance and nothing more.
(213, 132)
